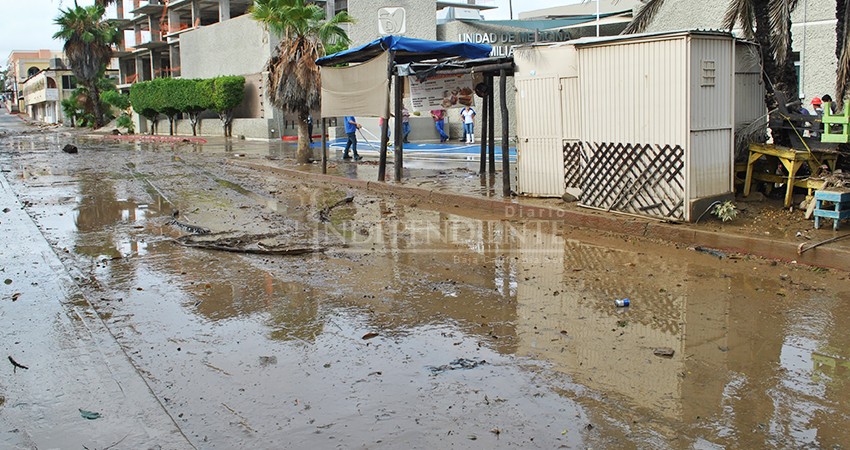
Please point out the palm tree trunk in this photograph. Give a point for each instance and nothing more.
(98, 111)
(303, 153)
(776, 78)
(839, 27)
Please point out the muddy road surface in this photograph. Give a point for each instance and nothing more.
(398, 325)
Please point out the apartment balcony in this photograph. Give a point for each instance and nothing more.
(41, 96)
(148, 8)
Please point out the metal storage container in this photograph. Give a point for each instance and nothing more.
(643, 124)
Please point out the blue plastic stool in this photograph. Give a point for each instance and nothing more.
(841, 202)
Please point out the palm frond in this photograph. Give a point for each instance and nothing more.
(842, 82)
(644, 17)
(740, 12)
(780, 25)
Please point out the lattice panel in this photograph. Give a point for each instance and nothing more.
(640, 179)
(572, 164)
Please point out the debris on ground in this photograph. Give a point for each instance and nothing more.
(324, 214)
(664, 352)
(90, 415)
(370, 335)
(460, 363)
(188, 227)
(70, 149)
(16, 365)
(709, 251)
(261, 244)
(804, 247)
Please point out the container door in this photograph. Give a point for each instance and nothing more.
(539, 149)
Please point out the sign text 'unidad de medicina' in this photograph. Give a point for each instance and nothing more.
(503, 43)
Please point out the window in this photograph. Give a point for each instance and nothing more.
(709, 74)
(32, 71)
(69, 82)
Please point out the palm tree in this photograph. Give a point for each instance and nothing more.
(294, 81)
(768, 22)
(88, 47)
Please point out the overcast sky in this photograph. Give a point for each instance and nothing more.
(28, 24)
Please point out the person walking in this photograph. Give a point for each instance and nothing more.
(439, 121)
(468, 115)
(405, 124)
(351, 127)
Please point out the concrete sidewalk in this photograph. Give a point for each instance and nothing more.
(447, 182)
(73, 361)
(483, 194)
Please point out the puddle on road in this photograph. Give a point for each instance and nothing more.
(270, 351)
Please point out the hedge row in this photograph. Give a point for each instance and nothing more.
(172, 97)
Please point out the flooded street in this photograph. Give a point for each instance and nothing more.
(405, 326)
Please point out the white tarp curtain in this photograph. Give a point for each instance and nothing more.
(360, 90)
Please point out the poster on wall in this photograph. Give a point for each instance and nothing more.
(442, 92)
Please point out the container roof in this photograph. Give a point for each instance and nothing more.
(649, 36)
(408, 50)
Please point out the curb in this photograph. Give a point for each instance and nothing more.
(153, 138)
(831, 257)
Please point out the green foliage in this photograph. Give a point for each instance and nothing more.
(227, 93)
(725, 211)
(115, 99)
(88, 47)
(171, 96)
(73, 110)
(125, 121)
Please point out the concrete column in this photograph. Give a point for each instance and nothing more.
(174, 59)
(119, 9)
(223, 10)
(140, 69)
(173, 21)
(137, 34)
(196, 13)
(156, 64)
(153, 23)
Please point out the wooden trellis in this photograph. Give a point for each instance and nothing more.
(572, 164)
(640, 179)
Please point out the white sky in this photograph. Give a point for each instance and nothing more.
(28, 24)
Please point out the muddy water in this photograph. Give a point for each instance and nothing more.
(423, 327)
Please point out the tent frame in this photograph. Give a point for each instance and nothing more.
(425, 62)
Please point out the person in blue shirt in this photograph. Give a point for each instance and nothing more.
(351, 127)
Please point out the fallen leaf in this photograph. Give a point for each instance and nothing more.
(90, 415)
(370, 335)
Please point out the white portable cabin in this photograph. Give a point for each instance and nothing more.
(640, 124)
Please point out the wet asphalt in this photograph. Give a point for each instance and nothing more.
(416, 326)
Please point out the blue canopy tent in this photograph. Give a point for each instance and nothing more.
(407, 50)
(463, 56)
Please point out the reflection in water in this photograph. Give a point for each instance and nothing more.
(734, 364)
(751, 368)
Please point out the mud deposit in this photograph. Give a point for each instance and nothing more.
(414, 326)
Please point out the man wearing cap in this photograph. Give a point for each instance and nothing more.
(817, 105)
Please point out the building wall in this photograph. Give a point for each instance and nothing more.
(812, 33)
(238, 46)
(421, 19)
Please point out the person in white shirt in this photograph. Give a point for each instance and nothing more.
(468, 115)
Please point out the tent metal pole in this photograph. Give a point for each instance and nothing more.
(506, 163)
(324, 145)
(399, 98)
(382, 164)
(491, 103)
(485, 117)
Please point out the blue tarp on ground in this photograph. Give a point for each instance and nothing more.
(408, 50)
